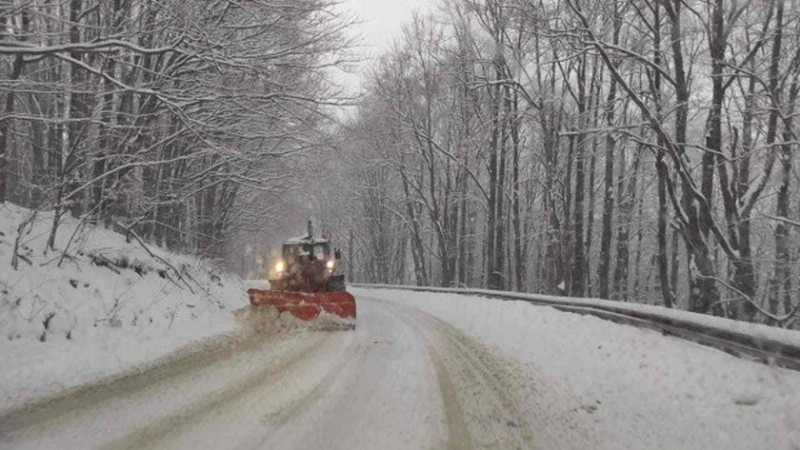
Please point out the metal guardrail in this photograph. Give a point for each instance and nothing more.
(767, 350)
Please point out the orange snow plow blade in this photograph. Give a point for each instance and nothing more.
(306, 305)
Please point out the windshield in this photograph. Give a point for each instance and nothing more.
(317, 251)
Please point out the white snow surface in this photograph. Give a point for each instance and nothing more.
(105, 319)
(789, 337)
(642, 389)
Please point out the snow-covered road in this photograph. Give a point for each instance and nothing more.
(402, 379)
(433, 371)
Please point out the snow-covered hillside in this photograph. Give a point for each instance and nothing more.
(99, 308)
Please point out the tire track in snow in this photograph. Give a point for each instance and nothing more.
(492, 402)
(477, 400)
(162, 371)
(493, 408)
(301, 404)
(458, 431)
(150, 436)
(382, 393)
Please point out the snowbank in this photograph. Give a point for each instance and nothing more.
(756, 330)
(105, 307)
(643, 389)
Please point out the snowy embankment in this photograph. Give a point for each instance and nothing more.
(719, 326)
(101, 308)
(643, 389)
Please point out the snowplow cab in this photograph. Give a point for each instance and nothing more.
(307, 264)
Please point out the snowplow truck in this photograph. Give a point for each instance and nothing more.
(305, 282)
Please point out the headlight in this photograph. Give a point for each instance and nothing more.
(279, 267)
(329, 264)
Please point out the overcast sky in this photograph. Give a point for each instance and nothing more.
(383, 18)
(381, 21)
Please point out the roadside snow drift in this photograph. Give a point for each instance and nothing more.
(97, 304)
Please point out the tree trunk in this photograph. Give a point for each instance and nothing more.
(77, 112)
(6, 124)
(417, 247)
(663, 269)
(626, 197)
(500, 222)
(519, 259)
(604, 266)
(702, 274)
(578, 277)
(492, 281)
(782, 279)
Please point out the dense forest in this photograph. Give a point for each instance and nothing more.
(170, 120)
(636, 150)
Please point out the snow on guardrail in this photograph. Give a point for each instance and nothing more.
(768, 345)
